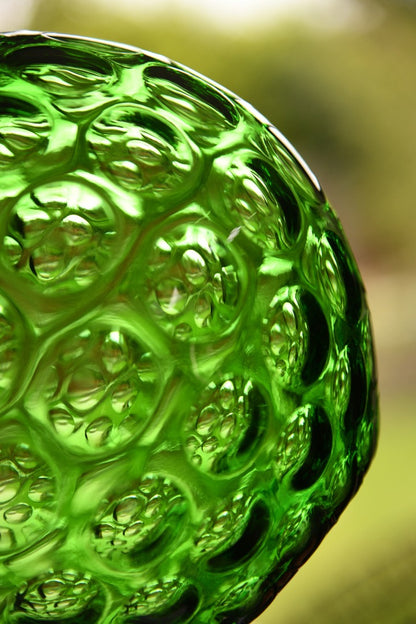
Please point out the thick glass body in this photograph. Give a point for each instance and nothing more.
(187, 384)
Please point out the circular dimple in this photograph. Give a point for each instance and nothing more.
(169, 600)
(196, 104)
(141, 151)
(294, 528)
(350, 277)
(60, 594)
(62, 422)
(318, 339)
(123, 395)
(207, 419)
(86, 388)
(137, 519)
(24, 131)
(328, 266)
(358, 392)
(330, 276)
(59, 69)
(66, 233)
(172, 296)
(114, 352)
(241, 593)
(221, 524)
(296, 337)
(258, 199)
(319, 450)
(338, 480)
(98, 431)
(9, 482)
(286, 336)
(25, 458)
(193, 286)
(109, 384)
(294, 441)
(195, 268)
(243, 547)
(225, 424)
(27, 491)
(76, 230)
(297, 173)
(226, 394)
(339, 383)
(18, 513)
(365, 441)
(41, 489)
(128, 509)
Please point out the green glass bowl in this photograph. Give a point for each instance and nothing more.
(187, 388)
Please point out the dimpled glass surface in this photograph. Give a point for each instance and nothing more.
(187, 383)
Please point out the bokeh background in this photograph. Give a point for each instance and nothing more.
(338, 78)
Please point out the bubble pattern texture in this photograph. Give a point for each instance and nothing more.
(187, 381)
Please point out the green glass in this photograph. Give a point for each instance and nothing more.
(187, 379)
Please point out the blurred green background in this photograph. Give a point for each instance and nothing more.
(338, 78)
